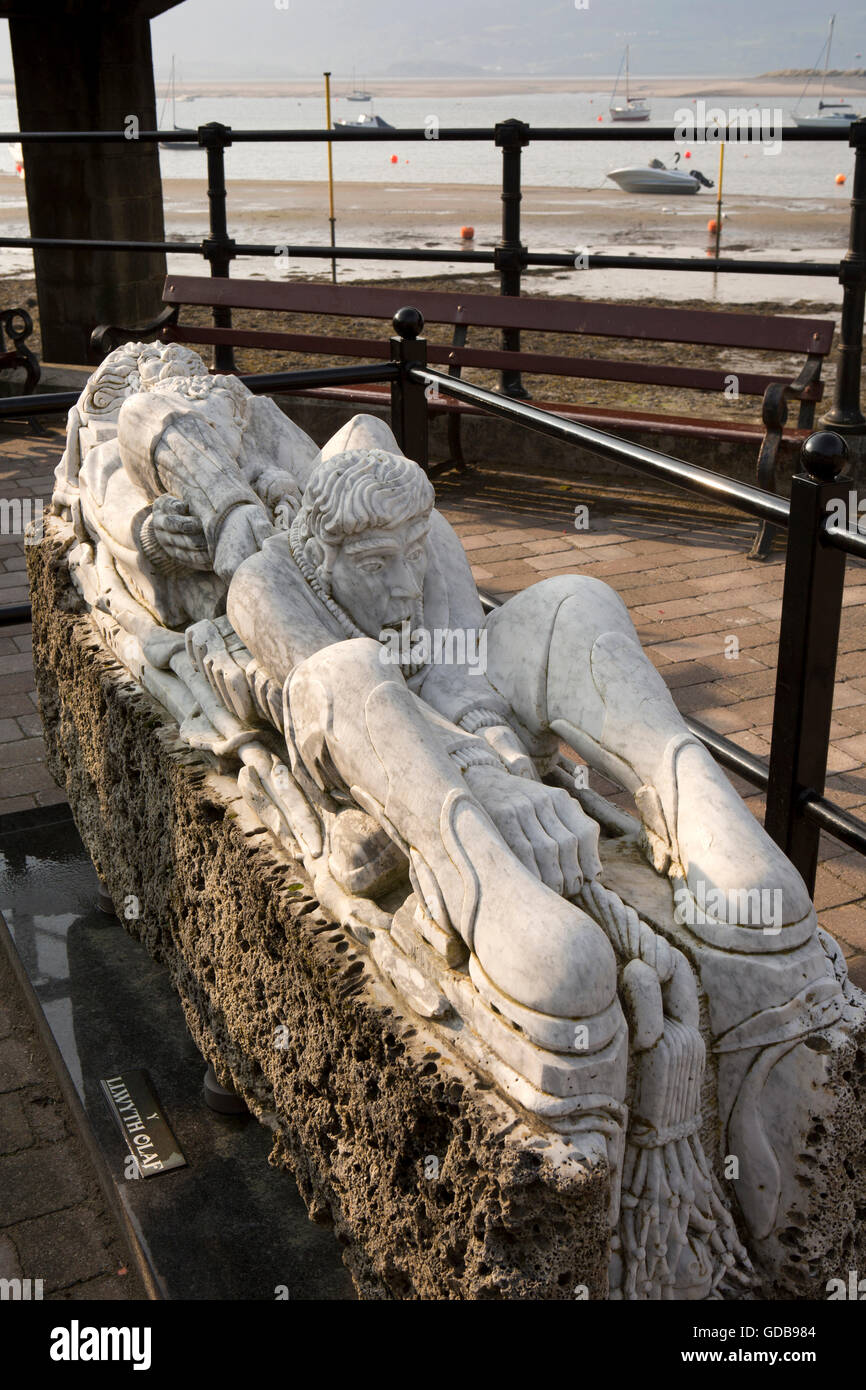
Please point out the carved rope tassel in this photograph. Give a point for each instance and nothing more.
(676, 1237)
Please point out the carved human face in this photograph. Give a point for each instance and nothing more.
(378, 575)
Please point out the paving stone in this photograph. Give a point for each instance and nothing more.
(46, 1115)
(15, 1132)
(40, 1181)
(17, 1066)
(66, 1247)
(846, 923)
(26, 750)
(831, 891)
(10, 1267)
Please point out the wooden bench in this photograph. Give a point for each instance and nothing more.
(810, 339)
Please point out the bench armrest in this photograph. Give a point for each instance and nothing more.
(807, 388)
(107, 336)
(18, 325)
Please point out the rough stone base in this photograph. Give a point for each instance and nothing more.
(422, 1171)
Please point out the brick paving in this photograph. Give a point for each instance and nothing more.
(54, 1224)
(708, 620)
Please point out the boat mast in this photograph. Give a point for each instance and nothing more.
(827, 60)
(627, 97)
(616, 83)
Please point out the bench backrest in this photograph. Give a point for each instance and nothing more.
(761, 332)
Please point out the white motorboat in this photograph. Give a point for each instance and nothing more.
(655, 177)
(367, 121)
(635, 108)
(831, 115)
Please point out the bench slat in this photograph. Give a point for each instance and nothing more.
(757, 331)
(588, 368)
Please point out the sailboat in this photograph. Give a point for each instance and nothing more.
(184, 130)
(636, 108)
(831, 115)
(357, 93)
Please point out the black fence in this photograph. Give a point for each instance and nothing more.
(794, 780)
(797, 810)
(509, 256)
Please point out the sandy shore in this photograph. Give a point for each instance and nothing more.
(420, 216)
(553, 218)
(660, 85)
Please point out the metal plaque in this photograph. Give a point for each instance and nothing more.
(134, 1105)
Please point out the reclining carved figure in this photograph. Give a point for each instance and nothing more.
(256, 584)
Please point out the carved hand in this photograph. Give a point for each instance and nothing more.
(179, 533)
(242, 533)
(507, 746)
(542, 825)
(206, 647)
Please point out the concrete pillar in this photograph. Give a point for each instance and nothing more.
(87, 66)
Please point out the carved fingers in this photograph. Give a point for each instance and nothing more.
(179, 533)
(242, 533)
(266, 693)
(207, 649)
(542, 826)
(507, 746)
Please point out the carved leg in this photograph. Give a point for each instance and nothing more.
(352, 718)
(583, 675)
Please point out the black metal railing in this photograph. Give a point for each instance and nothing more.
(797, 809)
(509, 256)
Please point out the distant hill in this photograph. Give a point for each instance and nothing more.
(430, 67)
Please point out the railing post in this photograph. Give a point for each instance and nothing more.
(511, 136)
(808, 644)
(219, 246)
(845, 413)
(408, 398)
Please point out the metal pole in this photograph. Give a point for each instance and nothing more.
(719, 201)
(408, 397)
(219, 247)
(846, 413)
(510, 136)
(808, 644)
(331, 218)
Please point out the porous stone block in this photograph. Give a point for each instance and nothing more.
(435, 1187)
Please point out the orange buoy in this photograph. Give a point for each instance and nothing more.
(840, 178)
(687, 155)
(467, 233)
(599, 118)
(393, 159)
(712, 225)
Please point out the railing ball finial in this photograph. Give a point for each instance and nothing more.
(408, 322)
(824, 455)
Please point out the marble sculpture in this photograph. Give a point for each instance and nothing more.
(254, 585)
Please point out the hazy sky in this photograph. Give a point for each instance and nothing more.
(269, 38)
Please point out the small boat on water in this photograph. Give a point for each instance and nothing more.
(831, 115)
(171, 95)
(367, 121)
(635, 108)
(358, 93)
(655, 177)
